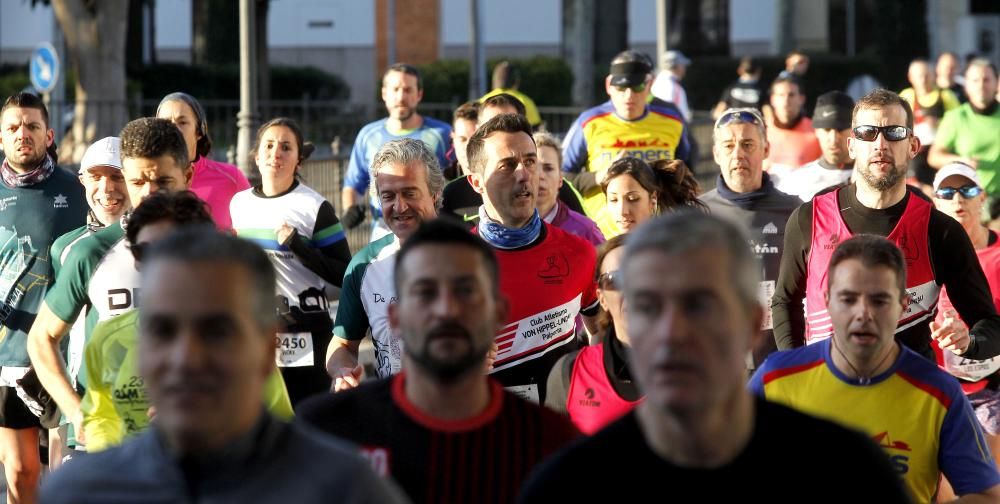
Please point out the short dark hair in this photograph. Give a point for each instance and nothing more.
(151, 137)
(633, 56)
(468, 111)
(879, 99)
(442, 231)
(26, 100)
(204, 145)
(507, 123)
(205, 244)
(748, 65)
(791, 79)
(406, 69)
(506, 76)
(182, 208)
(504, 100)
(305, 148)
(872, 251)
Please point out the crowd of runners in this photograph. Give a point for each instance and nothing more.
(553, 315)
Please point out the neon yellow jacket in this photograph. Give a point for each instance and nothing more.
(530, 110)
(115, 404)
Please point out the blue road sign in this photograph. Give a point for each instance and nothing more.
(44, 67)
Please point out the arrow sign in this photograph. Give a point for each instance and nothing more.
(44, 68)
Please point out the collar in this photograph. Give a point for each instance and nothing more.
(823, 164)
(990, 110)
(748, 199)
(505, 238)
(551, 216)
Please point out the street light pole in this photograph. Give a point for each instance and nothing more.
(246, 119)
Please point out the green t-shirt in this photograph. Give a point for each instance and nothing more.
(31, 218)
(115, 405)
(968, 134)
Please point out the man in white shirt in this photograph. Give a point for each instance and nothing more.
(667, 85)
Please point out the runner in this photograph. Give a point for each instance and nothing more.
(832, 123)
(636, 191)
(408, 183)
(547, 274)
(746, 195)
(690, 290)
(402, 90)
(214, 182)
(115, 405)
(206, 348)
(959, 194)
(594, 385)
(550, 186)
(864, 379)
(937, 249)
(300, 232)
(442, 429)
(38, 203)
(626, 125)
(99, 270)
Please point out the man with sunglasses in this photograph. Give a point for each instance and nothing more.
(626, 125)
(959, 194)
(832, 123)
(747, 196)
(99, 271)
(938, 252)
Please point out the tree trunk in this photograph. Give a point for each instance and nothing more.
(263, 58)
(95, 41)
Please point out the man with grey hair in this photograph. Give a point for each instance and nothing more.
(206, 347)
(408, 186)
(690, 284)
(745, 194)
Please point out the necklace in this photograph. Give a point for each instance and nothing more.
(862, 379)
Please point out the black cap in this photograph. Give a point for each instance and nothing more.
(833, 111)
(630, 68)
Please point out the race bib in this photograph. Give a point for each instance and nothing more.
(527, 392)
(294, 349)
(764, 295)
(969, 369)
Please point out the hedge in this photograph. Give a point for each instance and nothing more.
(547, 80)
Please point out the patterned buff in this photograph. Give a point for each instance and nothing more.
(502, 237)
(14, 179)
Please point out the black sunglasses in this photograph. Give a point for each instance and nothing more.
(745, 115)
(609, 280)
(967, 192)
(638, 88)
(891, 133)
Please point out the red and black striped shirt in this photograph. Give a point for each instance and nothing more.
(482, 459)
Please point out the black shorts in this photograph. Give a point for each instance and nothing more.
(14, 414)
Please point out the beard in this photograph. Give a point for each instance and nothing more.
(448, 370)
(885, 182)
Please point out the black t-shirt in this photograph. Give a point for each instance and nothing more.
(953, 260)
(791, 457)
(743, 94)
(483, 459)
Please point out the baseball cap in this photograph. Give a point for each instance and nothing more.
(630, 68)
(956, 169)
(833, 111)
(674, 58)
(104, 152)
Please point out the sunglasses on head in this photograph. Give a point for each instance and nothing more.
(891, 133)
(967, 192)
(638, 88)
(609, 280)
(745, 115)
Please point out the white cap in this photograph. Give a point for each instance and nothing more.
(956, 169)
(104, 152)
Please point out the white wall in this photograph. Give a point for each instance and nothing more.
(288, 23)
(751, 20)
(641, 22)
(513, 22)
(173, 24)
